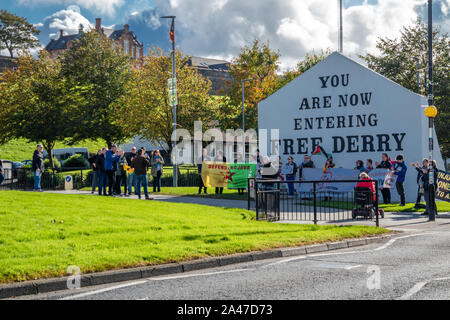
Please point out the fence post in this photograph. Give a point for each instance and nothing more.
(256, 200)
(315, 202)
(248, 193)
(377, 220)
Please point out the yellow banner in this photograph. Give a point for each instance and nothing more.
(214, 174)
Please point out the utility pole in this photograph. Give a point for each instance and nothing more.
(431, 113)
(174, 104)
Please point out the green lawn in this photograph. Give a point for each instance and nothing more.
(193, 192)
(42, 233)
(409, 207)
(19, 150)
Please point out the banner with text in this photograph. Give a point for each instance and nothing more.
(384, 177)
(443, 186)
(229, 175)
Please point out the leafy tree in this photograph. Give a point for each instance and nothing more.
(36, 103)
(16, 33)
(146, 110)
(94, 61)
(261, 64)
(398, 62)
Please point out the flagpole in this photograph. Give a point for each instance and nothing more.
(174, 121)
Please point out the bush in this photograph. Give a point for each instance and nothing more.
(56, 164)
(76, 161)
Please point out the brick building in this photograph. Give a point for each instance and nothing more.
(124, 38)
(218, 71)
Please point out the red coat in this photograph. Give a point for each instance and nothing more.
(370, 185)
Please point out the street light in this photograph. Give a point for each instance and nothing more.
(174, 121)
(430, 112)
(243, 96)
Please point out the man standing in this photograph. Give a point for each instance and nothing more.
(290, 168)
(400, 171)
(100, 164)
(93, 161)
(201, 186)
(307, 163)
(111, 160)
(140, 164)
(38, 167)
(131, 177)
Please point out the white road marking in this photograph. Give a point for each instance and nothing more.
(82, 295)
(418, 286)
(353, 267)
(384, 246)
(198, 274)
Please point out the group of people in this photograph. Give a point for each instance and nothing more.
(113, 170)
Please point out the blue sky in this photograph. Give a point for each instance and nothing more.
(219, 28)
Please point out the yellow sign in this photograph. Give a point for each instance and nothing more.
(431, 112)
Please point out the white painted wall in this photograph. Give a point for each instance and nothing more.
(397, 110)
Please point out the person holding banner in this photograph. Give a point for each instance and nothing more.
(204, 157)
(221, 159)
(399, 169)
(420, 173)
(385, 164)
(426, 187)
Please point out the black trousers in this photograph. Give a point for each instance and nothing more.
(111, 174)
(200, 184)
(157, 182)
(219, 190)
(400, 191)
(419, 195)
(386, 193)
(120, 181)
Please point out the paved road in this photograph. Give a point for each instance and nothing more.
(414, 265)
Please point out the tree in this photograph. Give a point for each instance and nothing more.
(398, 62)
(146, 110)
(95, 62)
(16, 33)
(36, 103)
(259, 63)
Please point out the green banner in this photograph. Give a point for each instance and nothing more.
(238, 174)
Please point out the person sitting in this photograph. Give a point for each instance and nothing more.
(368, 184)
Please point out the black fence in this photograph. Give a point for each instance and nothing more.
(23, 178)
(321, 202)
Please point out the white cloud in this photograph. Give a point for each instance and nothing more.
(104, 7)
(220, 27)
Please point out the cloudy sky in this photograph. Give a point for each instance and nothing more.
(219, 28)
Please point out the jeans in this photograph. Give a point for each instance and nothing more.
(290, 185)
(141, 179)
(37, 180)
(400, 191)
(101, 182)
(94, 180)
(131, 182)
(157, 181)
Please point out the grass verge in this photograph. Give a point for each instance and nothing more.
(42, 234)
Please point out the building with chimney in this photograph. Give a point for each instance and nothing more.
(217, 71)
(124, 38)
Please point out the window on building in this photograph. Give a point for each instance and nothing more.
(126, 47)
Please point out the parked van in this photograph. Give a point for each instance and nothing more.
(65, 153)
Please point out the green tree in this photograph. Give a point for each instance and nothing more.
(95, 62)
(16, 33)
(398, 62)
(146, 110)
(36, 103)
(261, 64)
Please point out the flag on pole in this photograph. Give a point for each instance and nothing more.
(172, 31)
(320, 150)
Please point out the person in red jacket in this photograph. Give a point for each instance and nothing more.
(363, 184)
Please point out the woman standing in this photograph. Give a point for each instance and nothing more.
(157, 170)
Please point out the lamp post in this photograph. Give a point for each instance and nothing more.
(431, 113)
(174, 121)
(243, 97)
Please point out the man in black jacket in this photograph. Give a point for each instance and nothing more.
(38, 167)
(100, 164)
(93, 161)
(140, 165)
(430, 203)
(131, 181)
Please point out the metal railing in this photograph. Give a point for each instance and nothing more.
(272, 201)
